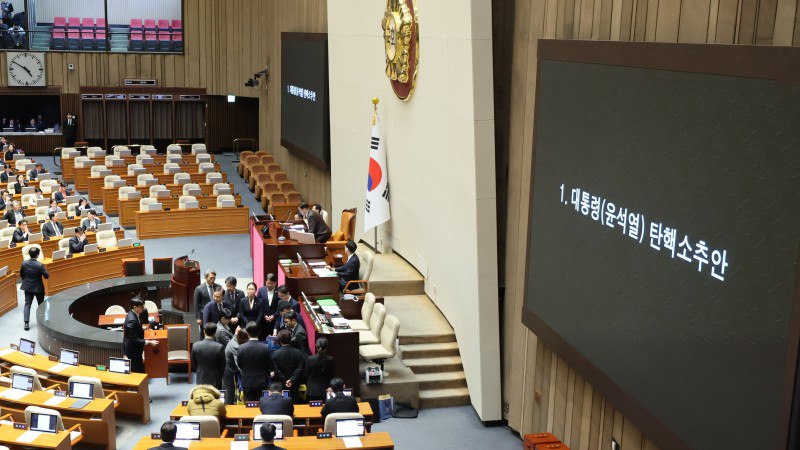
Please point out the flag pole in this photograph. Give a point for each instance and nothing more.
(375, 102)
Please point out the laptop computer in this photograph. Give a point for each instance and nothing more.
(119, 183)
(187, 432)
(29, 167)
(139, 170)
(72, 199)
(103, 173)
(5, 243)
(302, 237)
(122, 243)
(84, 212)
(215, 179)
(59, 254)
(350, 428)
(3, 224)
(257, 430)
(105, 227)
(27, 346)
(191, 205)
(155, 207)
(44, 176)
(119, 365)
(45, 423)
(161, 193)
(43, 202)
(68, 357)
(227, 203)
(173, 170)
(90, 248)
(69, 232)
(35, 237)
(28, 190)
(135, 195)
(22, 382)
(83, 393)
(224, 191)
(147, 161)
(194, 192)
(115, 162)
(16, 156)
(61, 216)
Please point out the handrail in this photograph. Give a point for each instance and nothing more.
(236, 147)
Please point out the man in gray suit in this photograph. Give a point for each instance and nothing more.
(208, 356)
(203, 294)
(31, 273)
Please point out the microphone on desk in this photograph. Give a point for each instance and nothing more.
(282, 237)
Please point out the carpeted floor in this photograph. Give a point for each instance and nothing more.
(445, 428)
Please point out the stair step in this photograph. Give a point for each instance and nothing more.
(446, 380)
(429, 350)
(440, 398)
(434, 365)
(426, 339)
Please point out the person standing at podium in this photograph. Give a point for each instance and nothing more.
(133, 341)
(203, 295)
(316, 225)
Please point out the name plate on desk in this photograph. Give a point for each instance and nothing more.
(315, 403)
(251, 404)
(59, 394)
(327, 435)
(241, 437)
(20, 426)
(155, 436)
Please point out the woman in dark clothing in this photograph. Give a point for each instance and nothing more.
(319, 371)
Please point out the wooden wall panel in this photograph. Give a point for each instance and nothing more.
(228, 121)
(540, 391)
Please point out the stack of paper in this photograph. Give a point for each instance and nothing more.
(54, 401)
(14, 394)
(6, 351)
(58, 367)
(338, 322)
(324, 272)
(28, 436)
(332, 310)
(352, 442)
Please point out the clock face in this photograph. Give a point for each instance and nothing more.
(26, 69)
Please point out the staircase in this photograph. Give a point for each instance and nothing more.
(437, 365)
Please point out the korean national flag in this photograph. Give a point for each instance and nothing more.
(377, 207)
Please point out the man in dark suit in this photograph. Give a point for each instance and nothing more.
(289, 364)
(348, 271)
(33, 174)
(70, 129)
(133, 341)
(21, 234)
(255, 362)
(32, 272)
(14, 214)
(77, 242)
(168, 434)
(316, 225)
(298, 332)
(274, 403)
(232, 297)
(91, 222)
(337, 402)
(208, 356)
(213, 309)
(203, 295)
(8, 174)
(224, 333)
(268, 432)
(268, 294)
(52, 228)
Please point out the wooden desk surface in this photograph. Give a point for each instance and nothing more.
(8, 290)
(68, 164)
(301, 412)
(380, 440)
(127, 208)
(173, 223)
(107, 320)
(38, 398)
(96, 184)
(42, 363)
(83, 268)
(111, 195)
(57, 441)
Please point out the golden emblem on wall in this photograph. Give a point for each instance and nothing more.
(401, 40)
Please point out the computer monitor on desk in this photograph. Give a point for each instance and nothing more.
(187, 431)
(22, 382)
(90, 248)
(119, 365)
(257, 430)
(27, 346)
(46, 423)
(350, 428)
(68, 357)
(302, 237)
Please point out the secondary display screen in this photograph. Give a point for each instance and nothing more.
(664, 236)
(304, 96)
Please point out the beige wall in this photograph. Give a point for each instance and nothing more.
(440, 149)
(542, 391)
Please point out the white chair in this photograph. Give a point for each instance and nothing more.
(375, 326)
(97, 392)
(112, 160)
(71, 210)
(387, 348)
(141, 157)
(95, 170)
(288, 423)
(147, 150)
(75, 434)
(177, 159)
(47, 186)
(122, 193)
(189, 186)
(115, 310)
(324, 215)
(365, 267)
(184, 199)
(171, 167)
(140, 179)
(7, 233)
(198, 148)
(366, 312)
(181, 178)
(174, 149)
(144, 202)
(217, 186)
(41, 210)
(178, 348)
(330, 420)
(209, 425)
(224, 197)
(109, 180)
(63, 244)
(106, 239)
(69, 152)
(20, 163)
(132, 168)
(83, 161)
(202, 158)
(150, 306)
(211, 175)
(95, 152)
(121, 151)
(155, 188)
(26, 256)
(205, 167)
(26, 199)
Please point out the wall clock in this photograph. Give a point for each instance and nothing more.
(26, 69)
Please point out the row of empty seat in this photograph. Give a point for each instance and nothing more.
(121, 151)
(156, 35)
(265, 178)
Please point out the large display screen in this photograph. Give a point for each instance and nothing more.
(663, 251)
(304, 96)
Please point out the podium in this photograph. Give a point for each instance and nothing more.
(155, 357)
(185, 278)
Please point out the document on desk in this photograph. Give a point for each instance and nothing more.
(317, 264)
(181, 443)
(332, 310)
(119, 320)
(14, 394)
(324, 272)
(240, 445)
(54, 401)
(58, 367)
(338, 321)
(6, 351)
(28, 436)
(352, 442)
